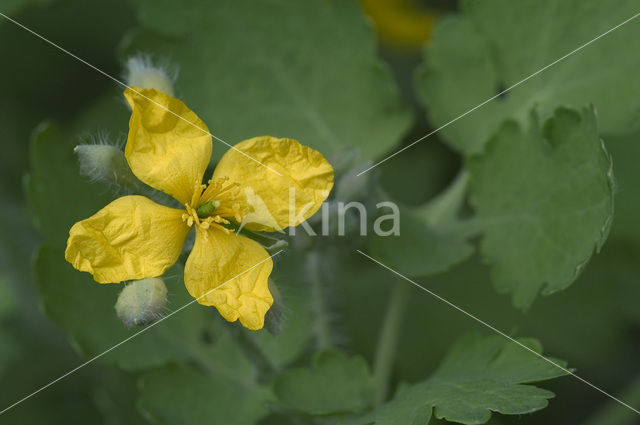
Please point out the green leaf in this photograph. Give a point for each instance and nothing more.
(306, 70)
(9, 350)
(544, 198)
(625, 151)
(85, 310)
(428, 242)
(494, 44)
(13, 7)
(115, 396)
(8, 297)
(223, 392)
(57, 194)
(296, 321)
(477, 377)
(335, 384)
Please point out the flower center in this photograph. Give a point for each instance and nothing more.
(207, 208)
(216, 203)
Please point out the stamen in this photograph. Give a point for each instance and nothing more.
(198, 187)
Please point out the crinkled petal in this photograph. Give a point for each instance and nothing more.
(230, 272)
(277, 201)
(131, 238)
(168, 146)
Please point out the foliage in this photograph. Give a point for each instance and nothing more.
(544, 199)
(335, 384)
(525, 202)
(471, 60)
(477, 377)
(284, 65)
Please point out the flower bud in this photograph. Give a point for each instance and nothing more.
(140, 72)
(107, 164)
(142, 301)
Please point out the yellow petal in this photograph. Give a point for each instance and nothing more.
(239, 266)
(168, 146)
(305, 177)
(131, 238)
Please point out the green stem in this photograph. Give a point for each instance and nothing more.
(322, 319)
(613, 413)
(445, 207)
(388, 340)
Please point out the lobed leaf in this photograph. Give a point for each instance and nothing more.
(494, 44)
(335, 384)
(544, 199)
(477, 377)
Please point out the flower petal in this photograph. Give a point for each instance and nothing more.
(168, 146)
(239, 266)
(306, 177)
(131, 238)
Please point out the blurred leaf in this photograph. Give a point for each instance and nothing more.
(420, 249)
(544, 198)
(295, 335)
(494, 44)
(224, 391)
(431, 167)
(625, 151)
(9, 350)
(38, 81)
(115, 395)
(428, 242)
(306, 70)
(85, 310)
(477, 377)
(8, 299)
(12, 7)
(335, 384)
(58, 195)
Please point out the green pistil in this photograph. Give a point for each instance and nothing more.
(207, 208)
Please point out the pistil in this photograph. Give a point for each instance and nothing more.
(206, 209)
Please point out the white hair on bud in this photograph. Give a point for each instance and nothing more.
(140, 71)
(142, 301)
(103, 160)
(96, 161)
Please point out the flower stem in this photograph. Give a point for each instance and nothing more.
(322, 320)
(388, 340)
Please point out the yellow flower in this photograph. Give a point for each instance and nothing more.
(136, 238)
(404, 23)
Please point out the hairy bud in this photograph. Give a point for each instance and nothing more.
(107, 164)
(142, 301)
(140, 72)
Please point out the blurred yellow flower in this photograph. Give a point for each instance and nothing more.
(404, 23)
(136, 238)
